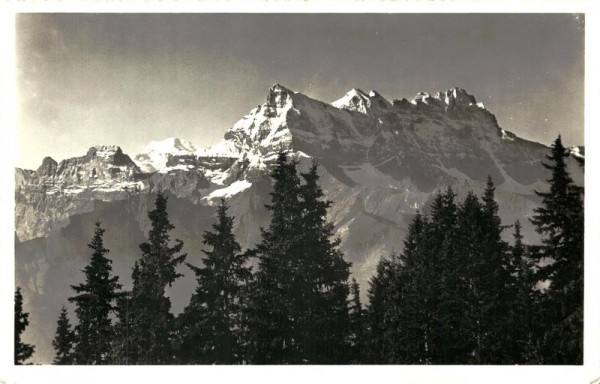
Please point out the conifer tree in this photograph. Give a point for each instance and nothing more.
(407, 316)
(322, 279)
(497, 283)
(23, 351)
(124, 351)
(560, 222)
(211, 323)
(298, 311)
(270, 315)
(380, 297)
(64, 340)
(450, 341)
(520, 310)
(149, 320)
(357, 325)
(95, 301)
(469, 243)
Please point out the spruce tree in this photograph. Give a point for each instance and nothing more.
(521, 307)
(124, 351)
(475, 269)
(357, 325)
(298, 312)
(148, 317)
(212, 322)
(406, 316)
(321, 279)
(497, 283)
(272, 330)
(23, 351)
(64, 340)
(560, 222)
(449, 342)
(95, 301)
(380, 297)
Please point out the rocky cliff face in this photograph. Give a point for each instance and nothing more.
(381, 161)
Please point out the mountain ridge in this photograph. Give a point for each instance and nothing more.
(380, 162)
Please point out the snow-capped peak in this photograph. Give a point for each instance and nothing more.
(452, 97)
(359, 101)
(172, 145)
(279, 96)
(156, 155)
(351, 100)
(456, 95)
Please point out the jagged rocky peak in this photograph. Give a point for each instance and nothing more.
(447, 99)
(109, 154)
(359, 101)
(48, 167)
(279, 96)
(100, 162)
(457, 96)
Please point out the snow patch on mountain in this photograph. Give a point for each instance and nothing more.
(447, 99)
(366, 103)
(172, 145)
(507, 135)
(380, 162)
(156, 155)
(577, 152)
(229, 191)
(225, 148)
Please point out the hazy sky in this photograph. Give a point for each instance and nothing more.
(129, 79)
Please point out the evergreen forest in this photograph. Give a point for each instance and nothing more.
(456, 294)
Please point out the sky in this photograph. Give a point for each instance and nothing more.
(128, 79)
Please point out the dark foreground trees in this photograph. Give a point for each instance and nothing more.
(64, 340)
(210, 327)
(146, 324)
(95, 302)
(23, 351)
(457, 293)
(298, 309)
(447, 298)
(560, 221)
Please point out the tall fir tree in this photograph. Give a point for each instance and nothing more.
(124, 351)
(357, 334)
(148, 322)
(271, 313)
(469, 243)
(64, 340)
(298, 311)
(521, 308)
(95, 301)
(497, 283)
(211, 324)
(322, 279)
(23, 351)
(405, 316)
(560, 221)
(380, 297)
(449, 342)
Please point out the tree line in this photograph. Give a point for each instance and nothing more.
(457, 294)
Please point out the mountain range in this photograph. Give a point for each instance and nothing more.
(380, 162)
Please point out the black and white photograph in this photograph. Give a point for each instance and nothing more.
(323, 189)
